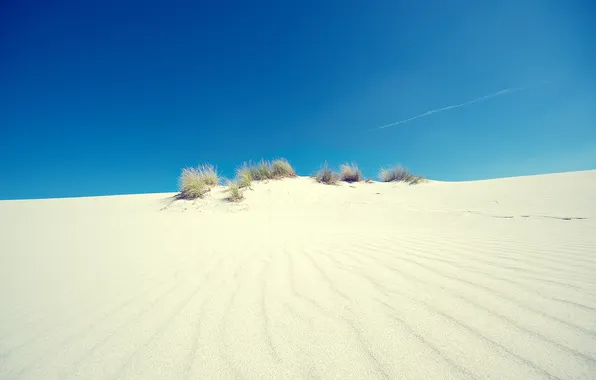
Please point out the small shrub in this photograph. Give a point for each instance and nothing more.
(235, 192)
(326, 176)
(399, 174)
(349, 172)
(244, 176)
(281, 168)
(192, 184)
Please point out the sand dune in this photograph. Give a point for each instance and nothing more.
(476, 280)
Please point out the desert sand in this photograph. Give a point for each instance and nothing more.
(490, 279)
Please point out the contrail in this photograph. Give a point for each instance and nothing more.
(478, 100)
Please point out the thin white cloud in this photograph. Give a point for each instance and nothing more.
(478, 100)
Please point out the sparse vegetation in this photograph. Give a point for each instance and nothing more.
(349, 172)
(196, 182)
(399, 174)
(264, 170)
(326, 175)
(235, 192)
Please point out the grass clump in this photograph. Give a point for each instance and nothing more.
(281, 168)
(192, 184)
(244, 176)
(209, 174)
(326, 176)
(260, 171)
(264, 170)
(399, 174)
(235, 192)
(349, 173)
(196, 182)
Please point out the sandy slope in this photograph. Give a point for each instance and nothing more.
(486, 280)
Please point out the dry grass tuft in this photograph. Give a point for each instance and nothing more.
(209, 174)
(192, 184)
(399, 174)
(326, 175)
(264, 170)
(235, 192)
(244, 176)
(281, 168)
(349, 172)
(260, 171)
(196, 182)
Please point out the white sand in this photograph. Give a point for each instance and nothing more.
(484, 280)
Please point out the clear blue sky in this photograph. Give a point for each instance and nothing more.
(115, 97)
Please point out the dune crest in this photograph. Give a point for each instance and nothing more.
(299, 280)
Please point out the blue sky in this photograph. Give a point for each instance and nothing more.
(115, 97)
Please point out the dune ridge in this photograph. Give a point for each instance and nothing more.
(489, 279)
